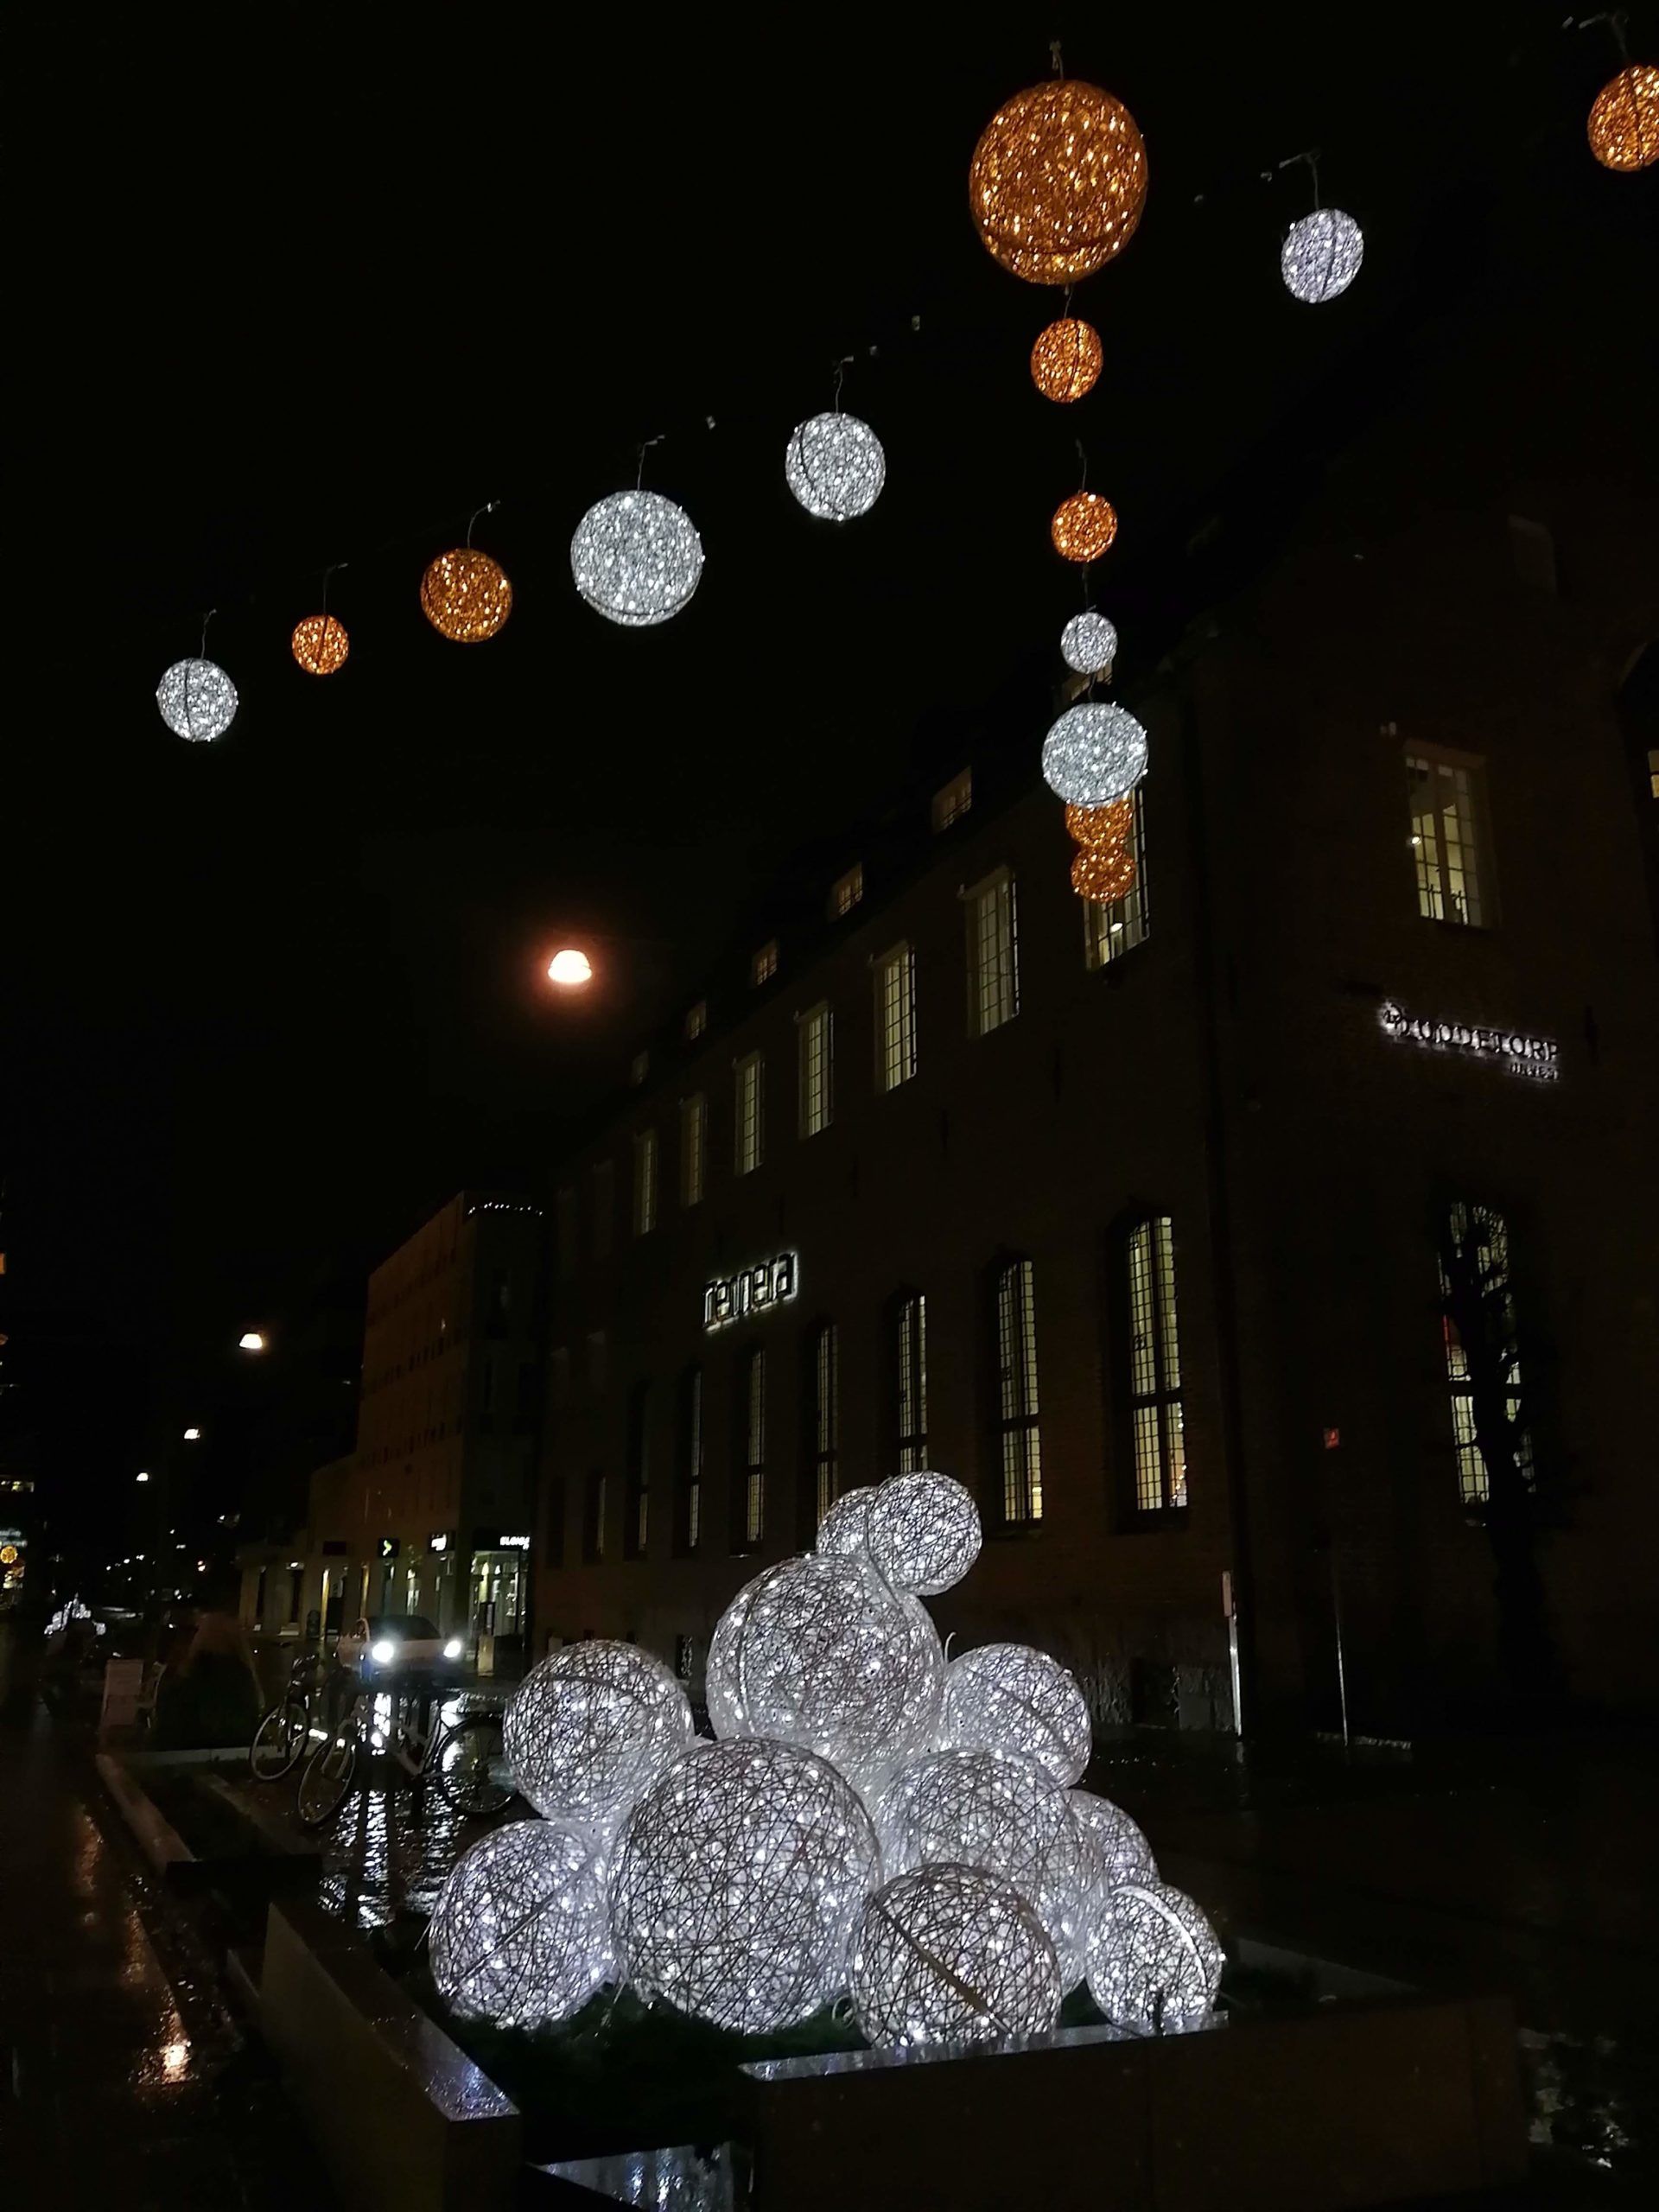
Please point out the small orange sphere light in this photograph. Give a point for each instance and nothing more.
(570, 969)
(1100, 828)
(1624, 121)
(465, 595)
(1084, 526)
(1103, 877)
(1065, 362)
(319, 645)
(1058, 181)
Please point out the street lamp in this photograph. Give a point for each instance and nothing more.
(192, 1436)
(251, 1340)
(570, 969)
(143, 1479)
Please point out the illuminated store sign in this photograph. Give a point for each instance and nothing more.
(515, 1543)
(1536, 1057)
(752, 1290)
(438, 1542)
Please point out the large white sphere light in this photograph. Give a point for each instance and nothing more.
(1089, 644)
(591, 1727)
(1321, 255)
(519, 1933)
(636, 558)
(197, 700)
(835, 465)
(1155, 1965)
(1095, 754)
(1122, 1852)
(951, 1954)
(923, 1531)
(844, 1529)
(1008, 1697)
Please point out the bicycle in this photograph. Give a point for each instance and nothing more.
(466, 1753)
(285, 1730)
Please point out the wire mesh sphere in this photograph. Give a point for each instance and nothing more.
(636, 558)
(1624, 119)
(1007, 1697)
(1321, 255)
(1155, 1965)
(835, 465)
(1096, 753)
(923, 1531)
(520, 1933)
(1121, 1853)
(820, 1652)
(951, 1954)
(1066, 360)
(736, 1882)
(319, 645)
(1089, 644)
(1058, 181)
(465, 596)
(1084, 527)
(591, 1727)
(1101, 828)
(1103, 876)
(843, 1530)
(197, 700)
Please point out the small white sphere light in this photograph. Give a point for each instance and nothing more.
(519, 1933)
(1089, 644)
(923, 1531)
(1155, 1965)
(736, 1881)
(835, 465)
(1321, 255)
(1008, 1697)
(589, 1729)
(197, 700)
(570, 968)
(1095, 754)
(951, 1954)
(636, 558)
(1122, 1852)
(843, 1530)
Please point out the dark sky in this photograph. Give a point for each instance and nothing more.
(293, 286)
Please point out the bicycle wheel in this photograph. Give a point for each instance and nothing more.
(472, 1766)
(328, 1776)
(279, 1740)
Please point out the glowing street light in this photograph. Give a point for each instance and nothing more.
(570, 969)
(142, 1478)
(251, 1340)
(192, 1436)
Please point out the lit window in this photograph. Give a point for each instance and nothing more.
(691, 1459)
(1482, 1354)
(992, 955)
(895, 1017)
(749, 1133)
(1019, 1439)
(604, 1207)
(645, 1181)
(1154, 1397)
(751, 1386)
(1448, 808)
(697, 1020)
(1110, 931)
(639, 1067)
(826, 1418)
(953, 800)
(565, 1215)
(637, 1525)
(910, 1381)
(763, 962)
(694, 1147)
(814, 1044)
(1653, 789)
(846, 891)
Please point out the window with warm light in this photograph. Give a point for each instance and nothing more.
(846, 891)
(909, 1323)
(815, 1050)
(694, 1147)
(894, 975)
(1019, 1444)
(993, 954)
(752, 1469)
(824, 1378)
(636, 1526)
(1110, 931)
(763, 962)
(604, 1208)
(691, 1459)
(748, 1134)
(953, 800)
(1482, 1352)
(1150, 1367)
(1449, 842)
(645, 1181)
(697, 1020)
(1653, 792)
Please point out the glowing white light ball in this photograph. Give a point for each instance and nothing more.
(923, 1531)
(1007, 1697)
(1155, 1965)
(951, 1953)
(519, 1933)
(820, 1652)
(835, 465)
(842, 1529)
(736, 1881)
(636, 558)
(1089, 643)
(571, 968)
(197, 700)
(1321, 255)
(1122, 1852)
(591, 1727)
(1095, 754)
(999, 1811)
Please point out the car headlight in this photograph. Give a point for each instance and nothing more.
(454, 1648)
(383, 1652)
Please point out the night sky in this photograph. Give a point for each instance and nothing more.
(313, 299)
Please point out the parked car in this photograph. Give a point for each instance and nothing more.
(386, 1644)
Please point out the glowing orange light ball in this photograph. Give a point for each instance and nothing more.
(1100, 828)
(465, 595)
(1084, 526)
(570, 968)
(1104, 877)
(1624, 121)
(319, 645)
(1065, 362)
(1058, 181)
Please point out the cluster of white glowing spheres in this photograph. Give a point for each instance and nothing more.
(520, 1933)
(736, 1882)
(591, 1727)
(1009, 1697)
(1155, 1965)
(1089, 644)
(948, 1954)
(1121, 1853)
(1095, 754)
(1321, 255)
(922, 1531)
(197, 700)
(842, 1529)
(835, 465)
(636, 558)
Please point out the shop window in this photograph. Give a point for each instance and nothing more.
(1483, 1353)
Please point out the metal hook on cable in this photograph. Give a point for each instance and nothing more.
(646, 445)
(206, 619)
(488, 508)
(329, 572)
(1083, 458)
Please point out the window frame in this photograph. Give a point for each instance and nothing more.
(763, 963)
(694, 1149)
(646, 1193)
(944, 812)
(1165, 1402)
(744, 1122)
(906, 1361)
(982, 1020)
(636, 1502)
(695, 1021)
(845, 893)
(898, 960)
(689, 1530)
(1016, 1415)
(1433, 877)
(814, 1069)
(1105, 942)
(821, 1404)
(749, 1440)
(1473, 1476)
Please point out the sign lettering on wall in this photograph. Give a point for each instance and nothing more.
(751, 1290)
(1538, 1058)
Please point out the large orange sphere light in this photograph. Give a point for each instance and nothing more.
(319, 645)
(1065, 362)
(1084, 526)
(1624, 121)
(1058, 181)
(465, 595)
(570, 969)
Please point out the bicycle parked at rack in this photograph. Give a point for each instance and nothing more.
(428, 1729)
(280, 1740)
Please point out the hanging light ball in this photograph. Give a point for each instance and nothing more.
(1121, 1853)
(1089, 644)
(1058, 181)
(1155, 1965)
(843, 1530)
(319, 645)
(1066, 360)
(519, 1933)
(197, 700)
(636, 558)
(1101, 828)
(1321, 255)
(1008, 1697)
(1095, 754)
(951, 1954)
(591, 1727)
(835, 465)
(465, 595)
(1084, 526)
(922, 1530)
(1624, 119)
(1103, 877)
